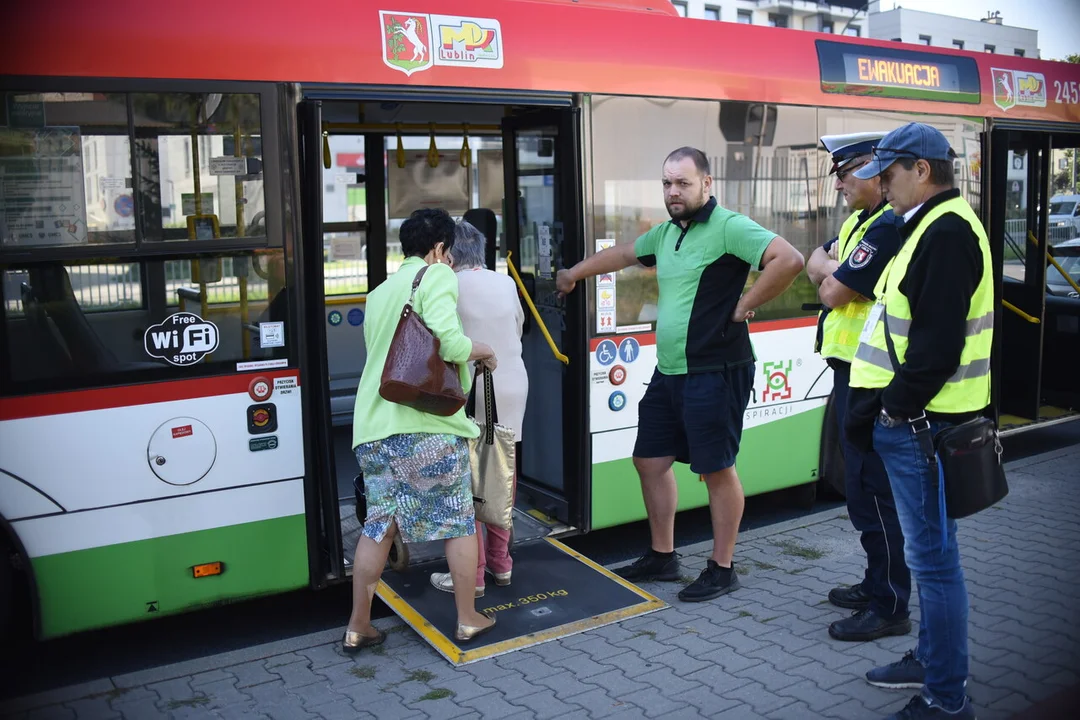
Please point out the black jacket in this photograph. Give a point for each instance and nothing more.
(939, 283)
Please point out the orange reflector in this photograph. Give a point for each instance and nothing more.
(208, 569)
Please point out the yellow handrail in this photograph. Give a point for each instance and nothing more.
(1068, 278)
(1009, 306)
(535, 313)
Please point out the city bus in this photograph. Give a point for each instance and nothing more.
(194, 204)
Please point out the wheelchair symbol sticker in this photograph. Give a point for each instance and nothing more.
(617, 401)
(606, 352)
(629, 349)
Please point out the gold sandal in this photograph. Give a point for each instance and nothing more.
(465, 633)
(355, 642)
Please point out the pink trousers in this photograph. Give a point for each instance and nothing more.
(493, 551)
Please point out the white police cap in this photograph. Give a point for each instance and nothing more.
(845, 148)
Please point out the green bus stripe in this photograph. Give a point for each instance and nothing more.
(782, 453)
(141, 580)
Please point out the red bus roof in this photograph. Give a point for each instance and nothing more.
(588, 47)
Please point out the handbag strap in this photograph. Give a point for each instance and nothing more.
(491, 412)
(412, 295)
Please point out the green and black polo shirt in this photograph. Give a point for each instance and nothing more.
(701, 271)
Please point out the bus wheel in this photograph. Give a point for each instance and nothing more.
(7, 591)
(399, 554)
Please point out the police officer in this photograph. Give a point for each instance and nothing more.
(923, 364)
(846, 269)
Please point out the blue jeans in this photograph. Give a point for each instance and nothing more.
(943, 634)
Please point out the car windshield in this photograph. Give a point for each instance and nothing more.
(1071, 265)
(1062, 207)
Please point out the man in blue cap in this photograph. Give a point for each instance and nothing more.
(922, 365)
(846, 269)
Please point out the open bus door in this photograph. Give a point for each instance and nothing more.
(1034, 326)
(326, 557)
(543, 234)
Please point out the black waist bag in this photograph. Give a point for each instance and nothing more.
(969, 458)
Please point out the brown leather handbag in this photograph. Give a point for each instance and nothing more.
(414, 375)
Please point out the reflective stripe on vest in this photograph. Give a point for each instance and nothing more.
(840, 333)
(968, 389)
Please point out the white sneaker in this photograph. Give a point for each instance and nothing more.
(501, 579)
(443, 581)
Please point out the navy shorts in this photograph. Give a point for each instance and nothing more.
(696, 418)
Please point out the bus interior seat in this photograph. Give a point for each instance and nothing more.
(49, 356)
(484, 220)
(52, 285)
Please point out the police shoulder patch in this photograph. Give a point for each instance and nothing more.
(862, 255)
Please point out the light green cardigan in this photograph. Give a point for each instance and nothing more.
(436, 302)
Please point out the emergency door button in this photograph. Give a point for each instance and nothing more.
(182, 451)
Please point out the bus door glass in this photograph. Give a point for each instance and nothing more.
(543, 236)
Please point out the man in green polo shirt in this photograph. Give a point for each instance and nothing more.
(693, 409)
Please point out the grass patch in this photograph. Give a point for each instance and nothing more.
(743, 613)
(379, 650)
(420, 676)
(844, 516)
(796, 571)
(823, 602)
(364, 672)
(763, 565)
(765, 620)
(794, 549)
(190, 702)
(437, 694)
(686, 579)
(651, 634)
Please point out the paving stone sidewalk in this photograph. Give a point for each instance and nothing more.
(762, 652)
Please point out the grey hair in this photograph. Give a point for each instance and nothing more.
(469, 247)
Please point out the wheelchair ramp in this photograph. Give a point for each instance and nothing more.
(556, 592)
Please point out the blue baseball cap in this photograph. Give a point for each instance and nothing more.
(917, 141)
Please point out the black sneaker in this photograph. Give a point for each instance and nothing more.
(713, 582)
(851, 598)
(919, 708)
(907, 672)
(866, 625)
(651, 566)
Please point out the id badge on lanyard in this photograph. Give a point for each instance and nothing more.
(871, 322)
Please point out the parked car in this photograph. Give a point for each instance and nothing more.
(1068, 256)
(1064, 213)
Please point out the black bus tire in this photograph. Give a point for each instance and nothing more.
(832, 453)
(7, 592)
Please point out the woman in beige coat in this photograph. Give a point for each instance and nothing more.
(491, 313)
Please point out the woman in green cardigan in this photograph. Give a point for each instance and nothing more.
(416, 465)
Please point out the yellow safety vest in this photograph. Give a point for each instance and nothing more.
(840, 333)
(968, 390)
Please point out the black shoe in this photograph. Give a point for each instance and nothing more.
(851, 598)
(868, 625)
(713, 582)
(907, 672)
(651, 566)
(919, 708)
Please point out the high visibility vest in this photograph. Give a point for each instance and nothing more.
(840, 333)
(968, 390)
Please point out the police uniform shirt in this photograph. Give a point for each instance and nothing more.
(862, 268)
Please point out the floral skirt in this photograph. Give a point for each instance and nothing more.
(421, 480)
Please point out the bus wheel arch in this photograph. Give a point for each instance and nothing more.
(19, 600)
(831, 462)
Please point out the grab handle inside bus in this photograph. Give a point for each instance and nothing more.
(1009, 306)
(535, 313)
